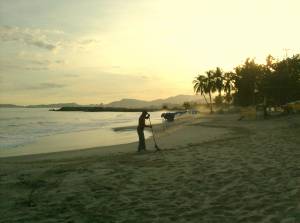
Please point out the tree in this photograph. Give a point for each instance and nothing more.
(205, 85)
(210, 87)
(187, 105)
(274, 83)
(218, 100)
(165, 107)
(282, 85)
(218, 79)
(200, 86)
(229, 79)
(247, 83)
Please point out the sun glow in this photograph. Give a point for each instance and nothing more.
(158, 45)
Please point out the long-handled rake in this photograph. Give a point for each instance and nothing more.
(155, 144)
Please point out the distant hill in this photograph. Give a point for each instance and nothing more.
(58, 105)
(10, 106)
(171, 101)
(102, 109)
(128, 103)
(124, 103)
(179, 99)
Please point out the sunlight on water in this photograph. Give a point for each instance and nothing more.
(20, 127)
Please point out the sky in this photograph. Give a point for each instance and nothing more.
(98, 51)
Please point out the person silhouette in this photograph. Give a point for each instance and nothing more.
(140, 130)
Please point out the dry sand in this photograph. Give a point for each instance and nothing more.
(216, 170)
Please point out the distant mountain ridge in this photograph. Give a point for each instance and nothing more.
(10, 106)
(58, 105)
(175, 100)
(123, 103)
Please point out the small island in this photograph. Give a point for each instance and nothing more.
(104, 109)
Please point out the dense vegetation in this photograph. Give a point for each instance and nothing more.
(275, 83)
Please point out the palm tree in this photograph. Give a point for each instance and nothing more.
(218, 80)
(200, 85)
(211, 86)
(205, 85)
(228, 85)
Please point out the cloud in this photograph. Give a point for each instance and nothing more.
(71, 75)
(87, 41)
(60, 61)
(43, 44)
(83, 44)
(50, 40)
(25, 87)
(145, 77)
(20, 65)
(30, 64)
(47, 62)
(32, 37)
(46, 86)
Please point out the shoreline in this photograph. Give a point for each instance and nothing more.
(160, 131)
(74, 141)
(54, 132)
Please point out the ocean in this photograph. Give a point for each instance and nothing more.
(21, 128)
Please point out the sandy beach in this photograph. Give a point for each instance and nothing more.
(215, 169)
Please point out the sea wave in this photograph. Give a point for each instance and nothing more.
(19, 127)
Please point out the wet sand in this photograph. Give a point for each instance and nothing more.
(213, 170)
